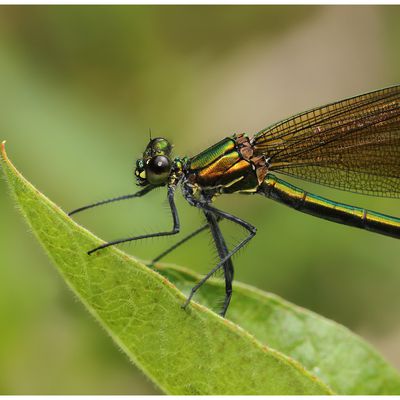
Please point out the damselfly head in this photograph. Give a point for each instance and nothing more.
(155, 166)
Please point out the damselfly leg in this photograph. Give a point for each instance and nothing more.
(182, 241)
(141, 193)
(222, 252)
(222, 214)
(174, 231)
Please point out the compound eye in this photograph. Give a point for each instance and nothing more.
(158, 169)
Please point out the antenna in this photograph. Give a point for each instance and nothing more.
(150, 133)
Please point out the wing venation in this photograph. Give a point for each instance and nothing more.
(353, 144)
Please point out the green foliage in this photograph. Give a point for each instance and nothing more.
(195, 351)
(333, 353)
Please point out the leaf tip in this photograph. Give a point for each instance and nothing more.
(3, 149)
(3, 153)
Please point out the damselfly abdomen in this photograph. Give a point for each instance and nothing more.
(352, 145)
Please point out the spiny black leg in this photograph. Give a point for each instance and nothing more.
(142, 192)
(222, 252)
(182, 241)
(228, 272)
(174, 231)
(251, 229)
(222, 214)
(228, 290)
(176, 245)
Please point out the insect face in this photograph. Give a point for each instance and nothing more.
(155, 166)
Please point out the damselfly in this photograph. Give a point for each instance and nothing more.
(352, 145)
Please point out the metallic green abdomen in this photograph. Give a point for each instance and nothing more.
(297, 198)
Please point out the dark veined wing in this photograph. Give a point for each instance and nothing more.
(352, 144)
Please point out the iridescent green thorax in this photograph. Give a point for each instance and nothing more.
(211, 154)
(228, 166)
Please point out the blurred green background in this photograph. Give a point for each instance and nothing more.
(79, 89)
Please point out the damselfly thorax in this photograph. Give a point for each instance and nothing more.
(229, 166)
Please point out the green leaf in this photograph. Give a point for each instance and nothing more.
(329, 350)
(196, 351)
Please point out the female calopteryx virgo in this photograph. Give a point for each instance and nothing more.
(353, 145)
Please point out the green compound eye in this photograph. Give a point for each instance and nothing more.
(158, 169)
(161, 146)
(158, 146)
